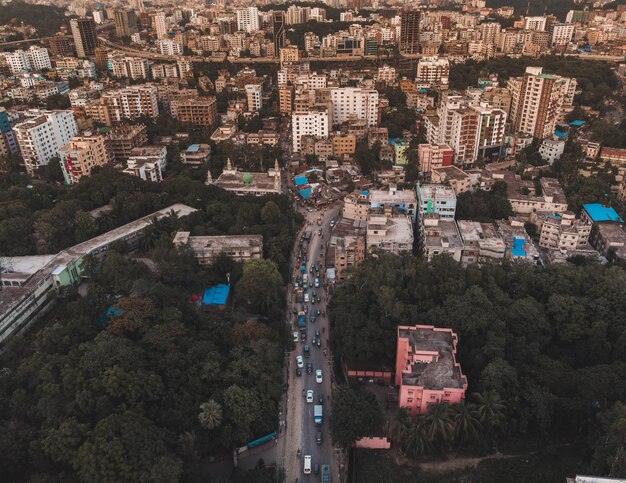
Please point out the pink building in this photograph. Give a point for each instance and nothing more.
(426, 368)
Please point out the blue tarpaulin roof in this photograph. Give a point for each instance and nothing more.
(518, 247)
(560, 134)
(598, 212)
(217, 295)
(577, 123)
(306, 193)
(194, 148)
(300, 180)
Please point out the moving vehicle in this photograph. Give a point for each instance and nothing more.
(318, 376)
(318, 438)
(320, 398)
(309, 396)
(300, 361)
(318, 410)
(301, 319)
(309, 367)
(298, 372)
(317, 282)
(306, 297)
(307, 464)
(307, 350)
(325, 474)
(295, 336)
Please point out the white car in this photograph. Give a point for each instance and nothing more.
(306, 298)
(307, 464)
(300, 362)
(317, 282)
(309, 396)
(296, 336)
(318, 376)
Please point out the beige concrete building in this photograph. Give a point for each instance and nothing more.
(81, 155)
(122, 139)
(343, 144)
(456, 178)
(206, 249)
(564, 232)
(356, 206)
(199, 111)
(389, 233)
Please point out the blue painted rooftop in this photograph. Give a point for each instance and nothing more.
(194, 148)
(560, 134)
(217, 295)
(577, 123)
(306, 193)
(518, 247)
(598, 212)
(300, 180)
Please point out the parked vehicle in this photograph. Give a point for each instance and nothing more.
(309, 367)
(295, 336)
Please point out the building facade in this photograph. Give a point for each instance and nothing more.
(81, 155)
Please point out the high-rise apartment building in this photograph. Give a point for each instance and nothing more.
(199, 111)
(85, 37)
(170, 47)
(410, 32)
(248, 19)
(8, 143)
(433, 71)
(278, 30)
(61, 45)
(431, 156)
(352, 103)
(285, 99)
(129, 67)
(309, 123)
(489, 31)
(561, 34)
(125, 22)
(253, 97)
(129, 103)
(40, 137)
(535, 23)
(160, 25)
(81, 155)
(35, 58)
(539, 101)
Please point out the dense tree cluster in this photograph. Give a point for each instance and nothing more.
(550, 341)
(356, 413)
(47, 19)
(485, 206)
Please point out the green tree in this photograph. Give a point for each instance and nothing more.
(439, 422)
(261, 287)
(355, 414)
(467, 426)
(210, 416)
(414, 440)
(490, 409)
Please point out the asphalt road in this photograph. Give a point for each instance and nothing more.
(301, 431)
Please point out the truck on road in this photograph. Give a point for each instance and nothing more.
(325, 474)
(299, 295)
(317, 414)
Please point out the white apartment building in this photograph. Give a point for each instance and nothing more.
(170, 47)
(489, 31)
(130, 67)
(147, 163)
(387, 74)
(551, 150)
(253, 97)
(351, 103)
(433, 71)
(309, 123)
(40, 137)
(131, 103)
(160, 25)
(561, 33)
(35, 58)
(436, 199)
(535, 23)
(248, 19)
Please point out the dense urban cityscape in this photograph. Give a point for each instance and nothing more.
(346, 241)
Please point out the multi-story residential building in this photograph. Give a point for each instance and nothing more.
(343, 144)
(248, 19)
(314, 122)
(40, 137)
(459, 180)
(356, 206)
(377, 135)
(123, 138)
(564, 232)
(289, 55)
(426, 368)
(285, 99)
(551, 149)
(409, 32)
(35, 58)
(125, 22)
(60, 45)
(439, 237)
(401, 201)
(85, 36)
(524, 198)
(129, 67)
(539, 101)
(387, 74)
(129, 103)
(147, 163)
(170, 47)
(498, 98)
(81, 155)
(561, 34)
(481, 242)
(254, 97)
(354, 103)
(206, 249)
(196, 155)
(489, 132)
(200, 111)
(436, 199)
(160, 25)
(8, 143)
(389, 233)
(432, 71)
(535, 23)
(464, 135)
(489, 32)
(431, 156)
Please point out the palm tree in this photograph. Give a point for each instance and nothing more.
(490, 409)
(210, 416)
(440, 422)
(415, 440)
(467, 425)
(402, 422)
